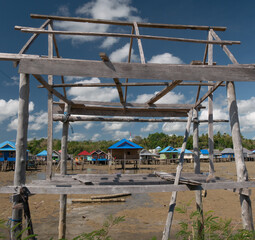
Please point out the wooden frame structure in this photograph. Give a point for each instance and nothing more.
(168, 76)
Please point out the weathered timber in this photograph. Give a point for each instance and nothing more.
(50, 89)
(118, 86)
(50, 107)
(111, 196)
(172, 203)
(164, 92)
(129, 59)
(63, 171)
(104, 189)
(210, 111)
(151, 112)
(242, 173)
(68, 67)
(98, 200)
(15, 56)
(104, 21)
(61, 117)
(130, 84)
(208, 94)
(140, 46)
(21, 150)
(125, 35)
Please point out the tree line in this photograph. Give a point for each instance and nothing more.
(153, 140)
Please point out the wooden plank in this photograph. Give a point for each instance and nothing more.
(88, 200)
(50, 89)
(162, 93)
(104, 189)
(125, 35)
(140, 46)
(110, 196)
(67, 67)
(103, 21)
(130, 84)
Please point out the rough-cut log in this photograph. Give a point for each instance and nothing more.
(69, 67)
(98, 200)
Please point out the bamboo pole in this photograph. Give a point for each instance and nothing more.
(172, 204)
(50, 116)
(21, 150)
(63, 171)
(210, 112)
(242, 173)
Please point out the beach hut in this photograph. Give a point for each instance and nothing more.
(204, 154)
(169, 153)
(83, 157)
(99, 156)
(125, 151)
(7, 151)
(147, 156)
(42, 156)
(227, 153)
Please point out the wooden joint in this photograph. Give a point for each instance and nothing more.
(104, 57)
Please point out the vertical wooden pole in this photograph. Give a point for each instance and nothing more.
(50, 116)
(63, 171)
(21, 149)
(199, 203)
(210, 111)
(242, 173)
(172, 204)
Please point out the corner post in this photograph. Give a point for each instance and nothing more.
(63, 172)
(242, 173)
(21, 149)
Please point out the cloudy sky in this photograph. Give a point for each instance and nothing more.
(237, 16)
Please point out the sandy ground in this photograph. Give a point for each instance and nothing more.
(145, 214)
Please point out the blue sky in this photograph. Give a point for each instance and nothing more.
(237, 16)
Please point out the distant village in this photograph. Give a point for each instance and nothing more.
(123, 152)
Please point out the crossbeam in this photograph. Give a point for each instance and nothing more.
(70, 67)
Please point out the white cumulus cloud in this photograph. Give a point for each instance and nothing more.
(165, 58)
(121, 54)
(93, 94)
(150, 127)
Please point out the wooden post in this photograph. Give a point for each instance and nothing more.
(50, 116)
(172, 204)
(199, 203)
(242, 173)
(210, 112)
(21, 149)
(63, 171)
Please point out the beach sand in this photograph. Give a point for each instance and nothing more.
(145, 214)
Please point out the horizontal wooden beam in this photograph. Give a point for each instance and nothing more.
(104, 189)
(130, 84)
(16, 57)
(69, 67)
(129, 112)
(62, 117)
(126, 35)
(150, 25)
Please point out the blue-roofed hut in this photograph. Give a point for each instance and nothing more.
(125, 151)
(169, 153)
(7, 151)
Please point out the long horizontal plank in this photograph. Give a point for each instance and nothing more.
(130, 84)
(104, 189)
(104, 21)
(126, 35)
(120, 112)
(69, 67)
